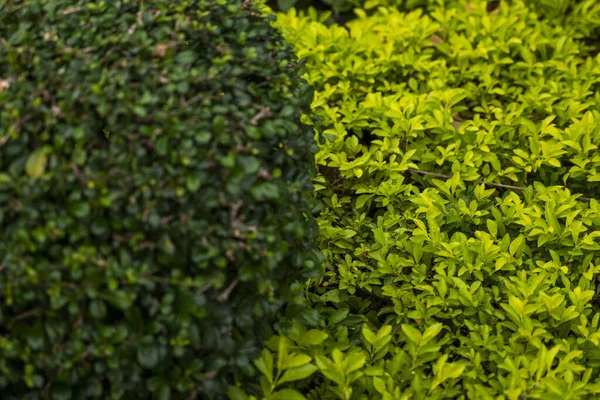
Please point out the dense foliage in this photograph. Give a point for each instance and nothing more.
(577, 15)
(155, 187)
(458, 164)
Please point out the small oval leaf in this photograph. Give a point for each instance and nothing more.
(36, 163)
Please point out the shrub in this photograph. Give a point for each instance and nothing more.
(155, 202)
(456, 150)
(581, 17)
(346, 6)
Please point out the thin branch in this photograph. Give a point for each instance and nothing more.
(25, 315)
(192, 395)
(264, 112)
(225, 294)
(4, 139)
(491, 184)
(71, 10)
(427, 173)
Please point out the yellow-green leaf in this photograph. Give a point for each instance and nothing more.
(36, 163)
(296, 374)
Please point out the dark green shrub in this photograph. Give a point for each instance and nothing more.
(155, 203)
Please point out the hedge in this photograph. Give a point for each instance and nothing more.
(155, 196)
(578, 15)
(458, 166)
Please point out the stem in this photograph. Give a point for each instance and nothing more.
(491, 184)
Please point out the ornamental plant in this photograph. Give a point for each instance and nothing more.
(460, 220)
(578, 15)
(155, 196)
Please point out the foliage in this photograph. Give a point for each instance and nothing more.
(346, 6)
(462, 260)
(155, 196)
(577, 15)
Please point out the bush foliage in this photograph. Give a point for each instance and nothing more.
(581, 16)
(458, 166)
(154, 196)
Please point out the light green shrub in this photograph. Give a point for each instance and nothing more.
(456, 149)
(582, 16)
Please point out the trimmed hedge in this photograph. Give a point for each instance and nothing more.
(459, 167)
(155, 196)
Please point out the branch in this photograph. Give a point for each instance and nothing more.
(25, 315)
(225, 294)
(491, 184)
(4, 139)
(263, 112)
(71, 11)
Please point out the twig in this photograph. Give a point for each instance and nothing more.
(263, 112)
(71, 11)
(225, 294)
(4, 139)
(491, 184)
(77, 172)
(192, 395)
(427, 173)
(236, 223)
(79, 321)
(139, 21)
(25, 315)
(210, 374)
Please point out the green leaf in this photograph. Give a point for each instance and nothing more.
(265, 364)
(313, 337)
(235, 393)
(379, 385)
(186, 57)
(97, 309)
(355, 361)
(369, 335)
(120, 299)
(162, 146)
(5, 178)
(61, 392)
(219, 124)
(412, 333)
(250, 165)
(79, 156)
(285, 5)
(164, 392)
(193, 183)
(36, 163)
(516, 244)
(148, 355)
(288, 394)
(338, 316)
(80, 210)
(295, 360)
(492, 227)
(298, 373)
(430, 333)
(329, 369)
(265, 190)
(453, 371)
(362, 199)
(384, 331)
